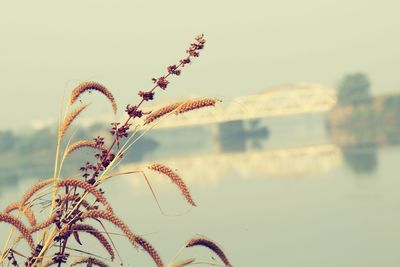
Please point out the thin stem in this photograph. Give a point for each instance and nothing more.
(126, 124)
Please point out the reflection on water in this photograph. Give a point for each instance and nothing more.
(361, 160)
(292, 162)
(233, 136)
(316, 214)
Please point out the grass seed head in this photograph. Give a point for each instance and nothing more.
(90, 86)
(19, 225)
(175, 178)
(201, 241)
(89, 188)
(25, 209)
(89, 262)
(95, 233)
(70, 119)
(82, 144)
(150, 250)
(112, 218)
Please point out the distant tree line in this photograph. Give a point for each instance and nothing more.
(353, 89)
(33, 153)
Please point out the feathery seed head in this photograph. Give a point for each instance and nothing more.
(89, 262)
(69, 119)
(180, 107)
(175, 178)
(201, 241)
(83, 143)
(25, 209)
(89, 86)
(150, 250)
(88, 187)
(109, 216)
(4, 217)
(95, 233)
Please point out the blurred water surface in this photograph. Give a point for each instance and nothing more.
(283, 178)
(273, 192)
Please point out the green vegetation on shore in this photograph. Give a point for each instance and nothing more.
(363, 119)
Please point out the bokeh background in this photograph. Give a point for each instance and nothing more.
(297, 167)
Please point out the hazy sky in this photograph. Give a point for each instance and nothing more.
(47, 46)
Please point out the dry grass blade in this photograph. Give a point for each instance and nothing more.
(89, 262)
(35, 188)
(26, 210)
(7, 218)
(174, 178)
(183, 263)
(88, 187)
(201, 241)
(81, 144)
(48, 263)
(65, 198)
(150, 250)
(95, 233)
(89, 86)
(69, 119)
(109, 216)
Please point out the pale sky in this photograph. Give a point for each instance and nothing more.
(47, 46)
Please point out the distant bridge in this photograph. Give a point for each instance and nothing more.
(280, 100)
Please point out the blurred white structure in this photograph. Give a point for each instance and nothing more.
(294, 162)
(280, 100)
